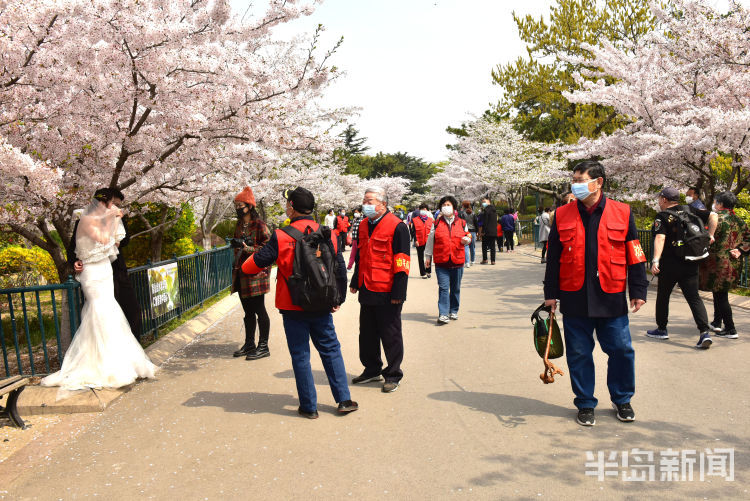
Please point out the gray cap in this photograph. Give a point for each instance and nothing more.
(670, 194)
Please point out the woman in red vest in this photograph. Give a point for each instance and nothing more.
(422, 225)
(446, 246)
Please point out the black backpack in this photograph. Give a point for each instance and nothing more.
(692, 241)
(312, 284)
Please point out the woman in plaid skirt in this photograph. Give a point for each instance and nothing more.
(250, 235)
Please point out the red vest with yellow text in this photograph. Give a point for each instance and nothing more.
(614, 255)
(448, 246)
(377, 264)
(422, 229)
(285, 262)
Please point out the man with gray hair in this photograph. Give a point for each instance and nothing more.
(380, 277)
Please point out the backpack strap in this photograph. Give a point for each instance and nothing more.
(293, 232)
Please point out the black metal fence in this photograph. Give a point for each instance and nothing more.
(32, 319)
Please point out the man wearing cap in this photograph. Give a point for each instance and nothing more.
(380, 277)
(673, 269)
(301, 326)
(593, 256)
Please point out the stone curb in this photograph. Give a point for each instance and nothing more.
(35, 400)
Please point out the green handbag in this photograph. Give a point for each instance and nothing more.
(541, 330)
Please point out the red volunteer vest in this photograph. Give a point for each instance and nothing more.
(614, 255)
(422, 229)
(376, 260)
(448, 244)
(285, 262)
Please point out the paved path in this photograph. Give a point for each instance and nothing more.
(471, 419)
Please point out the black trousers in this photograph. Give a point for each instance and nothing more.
(381, 324)
(723, 310)
(420, 259)
(255, 306)
(544, 248)
(687, 278)
(488, 244)
(128, 301)
(508, 234)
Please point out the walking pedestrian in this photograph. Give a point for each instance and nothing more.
(593, 254)
(508, 225)
(302, 326)
(545, 220)
(380, 277)
(489, 230)
(672, 268)
(342, 228)
(467, 214)
(446, 244)
(720, 271)
(693, 200)
(250, 234)
(422, 225)
(330, 219)
(356, 219)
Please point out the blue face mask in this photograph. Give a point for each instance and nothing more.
(369, 211)
(485, 204)
(581, 190)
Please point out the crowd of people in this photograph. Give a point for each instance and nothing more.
(590, 248)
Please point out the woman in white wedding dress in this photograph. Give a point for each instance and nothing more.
(104, 353)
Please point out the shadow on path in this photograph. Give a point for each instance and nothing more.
(509, 409)
(250, 403)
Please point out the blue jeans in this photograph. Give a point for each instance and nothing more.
(470, 248)
(449, 289)
(613, 334)
(300, 329)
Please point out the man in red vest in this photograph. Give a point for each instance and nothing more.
(593, 254)
(380, 277)
(300, 326)
(422, 224)
(342, 227)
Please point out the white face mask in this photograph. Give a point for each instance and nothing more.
(688, 199)
(447, 210)
(424, 213)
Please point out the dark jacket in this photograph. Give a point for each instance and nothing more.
(508, 222)
(591, 301)
(489, 221)
(471, 220)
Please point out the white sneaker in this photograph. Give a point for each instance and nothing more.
(453, 316)
(442, 319)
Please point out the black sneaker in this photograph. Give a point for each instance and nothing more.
(308, 415)
(624, 412)
(390, 386)
(347, 406)
(364, 378)
(259, 352)
(727, 334)
(586, 417)
(245, 350)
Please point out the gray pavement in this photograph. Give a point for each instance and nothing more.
(471, 418)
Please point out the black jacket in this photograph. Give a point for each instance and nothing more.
(489, 221)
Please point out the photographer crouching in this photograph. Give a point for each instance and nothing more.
(250, 235)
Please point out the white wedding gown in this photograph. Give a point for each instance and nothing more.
(104, 353)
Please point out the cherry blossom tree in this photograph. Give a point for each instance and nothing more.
(493, 159)
(141, 96)
(685, 89)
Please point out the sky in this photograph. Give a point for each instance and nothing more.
(414, 67)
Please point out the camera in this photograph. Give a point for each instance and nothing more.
(237, 242)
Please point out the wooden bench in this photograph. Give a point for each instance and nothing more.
(13, 386)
